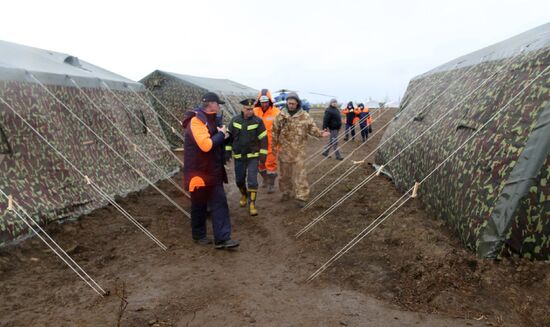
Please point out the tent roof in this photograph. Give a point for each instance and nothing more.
(16, 59)
(534, 39)
(221, 85)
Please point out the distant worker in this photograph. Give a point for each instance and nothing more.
(332, 122)
(265, 109)
(248, 146)
(364, 121)
(204, 173)
(290, 131)
(349, 116)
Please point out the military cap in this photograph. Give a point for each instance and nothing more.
(248, 102)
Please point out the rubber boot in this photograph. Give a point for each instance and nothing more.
(271, 183)
(243, 200)
(265, 182)
(252, 203)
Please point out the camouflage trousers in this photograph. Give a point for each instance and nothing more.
(293, 180)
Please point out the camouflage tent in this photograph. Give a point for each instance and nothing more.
(495, 191)
(47, 186)
(177, 93)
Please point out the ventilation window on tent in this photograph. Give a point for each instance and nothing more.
(157, 83)
(4, 144)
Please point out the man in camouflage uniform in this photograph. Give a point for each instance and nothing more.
(290, 131)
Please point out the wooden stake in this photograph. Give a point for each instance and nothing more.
(88, 180)
(415, 190)
(358, 162)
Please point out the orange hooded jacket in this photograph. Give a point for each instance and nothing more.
(268, 117)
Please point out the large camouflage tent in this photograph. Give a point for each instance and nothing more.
(174, 93)
(494, 192)
(34, 174)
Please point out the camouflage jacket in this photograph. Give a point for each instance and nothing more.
(290, 134)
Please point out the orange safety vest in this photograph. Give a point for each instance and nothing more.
(369, 118)
(268, 117)
(357, 112)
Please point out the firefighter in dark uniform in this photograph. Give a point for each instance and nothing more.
(204, 172)
(248, 146)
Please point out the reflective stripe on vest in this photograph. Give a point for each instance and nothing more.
(262, 135)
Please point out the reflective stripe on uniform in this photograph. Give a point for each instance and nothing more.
(251, 127)
(263, 151)
(253, 155)
(237, 156)
(262, 135)
(228, 148)
(237, 125)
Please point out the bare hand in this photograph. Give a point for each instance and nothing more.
(325, 134)
(223, 129)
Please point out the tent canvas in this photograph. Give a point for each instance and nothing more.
(33, 173)
(495, 192)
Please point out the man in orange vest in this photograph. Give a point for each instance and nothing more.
(265, 109)
(204, 172)
(349, 114)
(364, 121)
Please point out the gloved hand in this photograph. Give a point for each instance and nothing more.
(370, 129)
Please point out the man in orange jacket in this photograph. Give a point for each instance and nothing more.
(204, 172)
(265, 109)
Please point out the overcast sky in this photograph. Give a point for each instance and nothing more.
(350, 49)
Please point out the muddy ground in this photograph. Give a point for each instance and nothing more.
(410, 271)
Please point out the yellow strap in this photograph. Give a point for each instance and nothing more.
(262, 135)
(237, 125)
